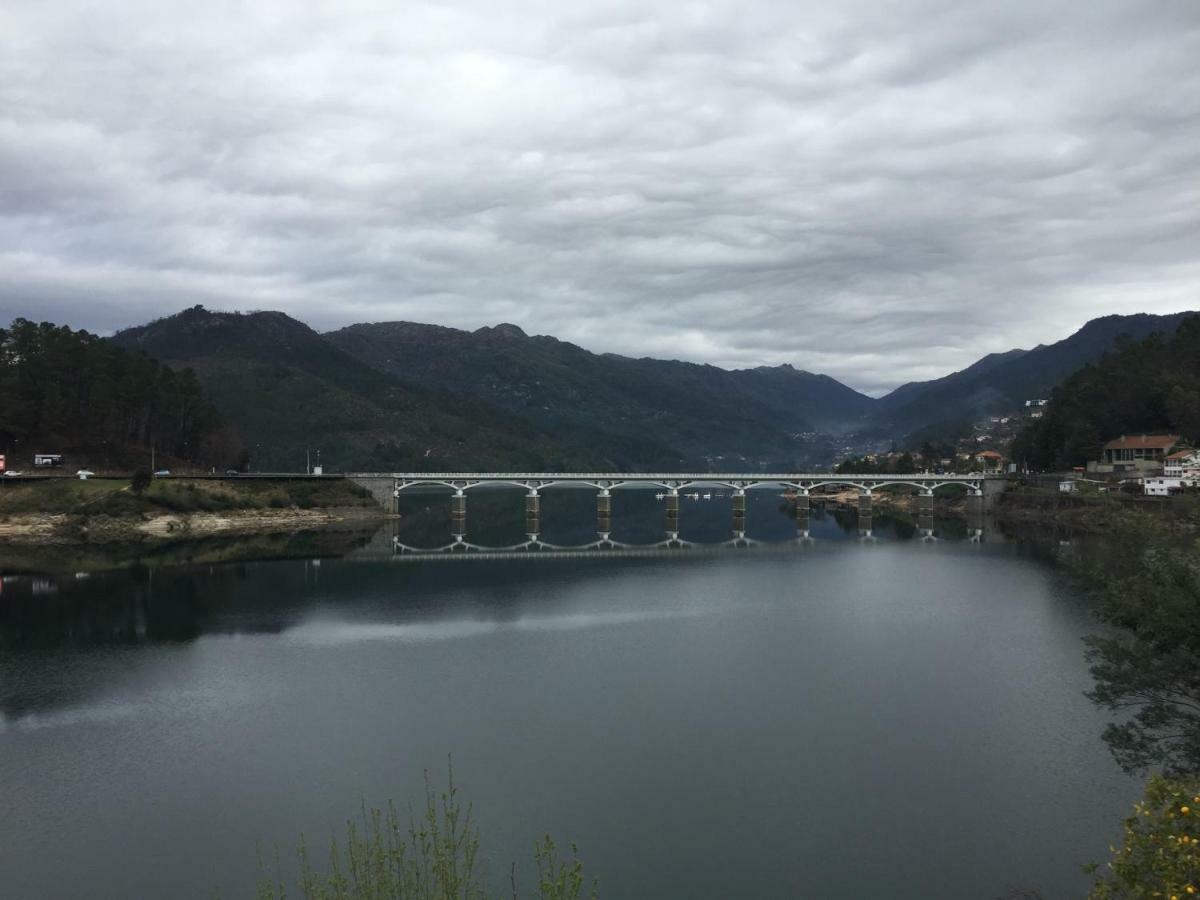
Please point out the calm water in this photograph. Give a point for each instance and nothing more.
(841, 718)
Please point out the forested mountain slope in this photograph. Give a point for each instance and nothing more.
(687, 411)
(287, 390)
(1151, 385)
(73, 393)
(1002, 382)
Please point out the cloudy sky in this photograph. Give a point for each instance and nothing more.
(882, 191)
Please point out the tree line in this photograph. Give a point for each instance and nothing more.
(64, 391)
(1138, 387)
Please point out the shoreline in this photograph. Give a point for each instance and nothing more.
(66, 528)
(1094, 515)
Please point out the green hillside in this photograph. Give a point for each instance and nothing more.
(1002, 382)
(70, 392)
(287, 390)
(1152, 385)
(647, 412)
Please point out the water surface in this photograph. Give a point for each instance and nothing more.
(833, 718)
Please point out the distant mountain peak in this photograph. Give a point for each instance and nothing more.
(503, 330)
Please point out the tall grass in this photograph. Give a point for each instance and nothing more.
(431, 856)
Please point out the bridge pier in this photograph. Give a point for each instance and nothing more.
(673, 509)
(739, 512)
(604, 511)
(865, 508)
(925, 515)
(802, 502)
(458, 513)
(925, 526)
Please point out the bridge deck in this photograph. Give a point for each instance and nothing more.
(715, 477)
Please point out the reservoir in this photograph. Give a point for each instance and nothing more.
(846, 716)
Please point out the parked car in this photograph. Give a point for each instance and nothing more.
(84, 474)
(232, 472)
(162, 473)
(11, 474)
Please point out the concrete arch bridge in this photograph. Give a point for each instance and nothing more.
(387, 487)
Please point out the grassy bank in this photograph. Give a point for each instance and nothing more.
(1095, 513)
(115, 497)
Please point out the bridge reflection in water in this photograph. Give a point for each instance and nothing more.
(604, 544)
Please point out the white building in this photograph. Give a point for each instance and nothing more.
(1184, 465)
(1162, 487)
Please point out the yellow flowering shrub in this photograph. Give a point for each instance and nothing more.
(1160, 856)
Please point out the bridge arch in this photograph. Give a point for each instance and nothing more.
(970, 487)
(564, 482)
(404, 485)
(860, 485)
(499, 482)
(639, 482)
(702, 482)
(774, 482)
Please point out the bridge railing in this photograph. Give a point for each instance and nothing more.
(661, 476)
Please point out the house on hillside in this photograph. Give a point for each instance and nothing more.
(1184, 465)
(1136, 454)
(1162, 487)
(988, 460)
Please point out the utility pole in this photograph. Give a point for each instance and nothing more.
(307, 461)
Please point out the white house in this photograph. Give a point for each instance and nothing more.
(1162, 487)
(1184, 465)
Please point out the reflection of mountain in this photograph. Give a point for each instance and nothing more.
(59, 558)
(105, 622)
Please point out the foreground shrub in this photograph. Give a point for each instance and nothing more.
(1147, 666)
(1160, 856)
(431, 857)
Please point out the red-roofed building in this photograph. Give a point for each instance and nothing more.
(1183, 464)
(1135, 453)
(988, 460)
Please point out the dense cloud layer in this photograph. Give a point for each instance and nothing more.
(881, 191)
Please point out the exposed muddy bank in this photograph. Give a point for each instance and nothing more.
(67, 528)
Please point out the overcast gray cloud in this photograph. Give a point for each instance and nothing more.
(882, 191)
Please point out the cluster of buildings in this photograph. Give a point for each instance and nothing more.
(1160, 462)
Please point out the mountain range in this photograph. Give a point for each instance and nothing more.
(1001, 382)
(403, 395)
